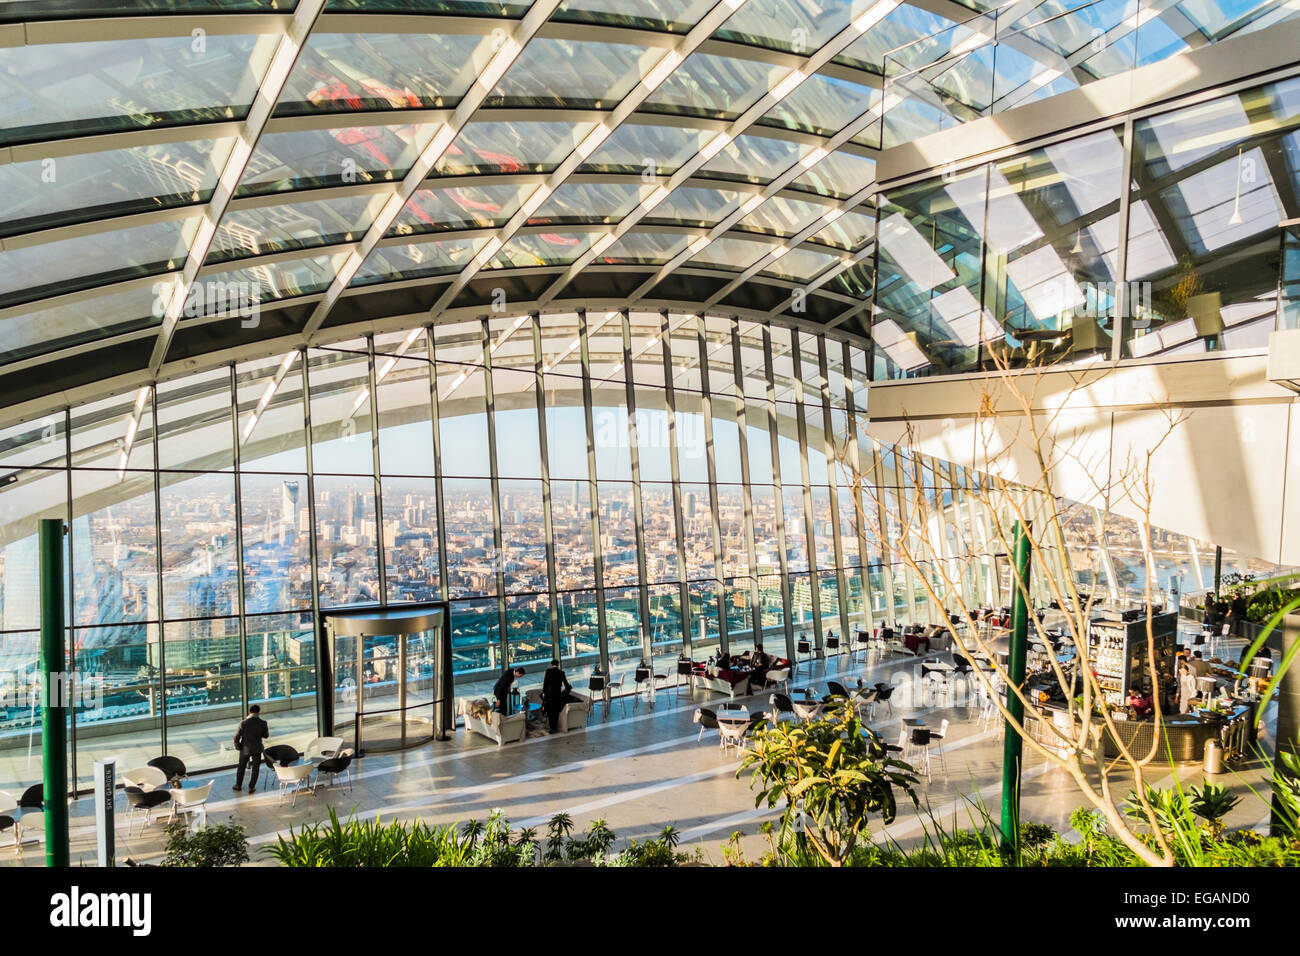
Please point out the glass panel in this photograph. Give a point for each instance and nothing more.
(510, 147)
(462, 416)
(340, 412)
(199, 563)
(839, 174)
(63, 89)
(796, 535)
(465, 207)
(411, 538)
(697, 521)
(528, 629)
(660, 531)
(471, 545)
(578, 617)
(716, 87)
(42, 328)
(417, 260)
(571, 519)
(543, 249)
(44, 494)
(928, 317)
(623, 622)
(515, 401)
(665, 623)
(381, 71)
(646, 149)
(675, 15)
(83, 261)
(572, 73)
(735, 540)
(284, 279)
(753, 158)
(339, 156)
(277, 551)
(475, 631)
(824, 105)
(405, 428)
(734, 255)
(644, 248)
(272, 425)
(693, 206)
(1210, 181)
(617, 533)
(42, 193)
(523, 536)
(264, 229)
(801, 265)
(587, 202)
(786, 27)
(114, 548)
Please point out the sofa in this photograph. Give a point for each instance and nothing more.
(731, 683)
(504, 730)
(574, 714)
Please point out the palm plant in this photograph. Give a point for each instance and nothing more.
(1212, 803)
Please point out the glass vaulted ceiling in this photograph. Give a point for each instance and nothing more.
(285, 150)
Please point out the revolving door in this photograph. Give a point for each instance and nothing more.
(391, 673)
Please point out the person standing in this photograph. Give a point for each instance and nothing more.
(501, 689)
(555, 693)
(1186, 687)
(248, 741)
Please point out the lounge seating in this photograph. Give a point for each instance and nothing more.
(335, 767)
(573, 716)
(490, 724)
(292, 779)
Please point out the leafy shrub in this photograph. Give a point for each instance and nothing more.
(219, 844)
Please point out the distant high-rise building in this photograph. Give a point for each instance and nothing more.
(288, 512)
(690, 504)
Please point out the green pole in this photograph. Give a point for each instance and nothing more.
(56, 689)
(1011, 743)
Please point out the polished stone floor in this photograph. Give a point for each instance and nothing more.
(641, 767)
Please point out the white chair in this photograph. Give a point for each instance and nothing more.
(323, 746)
(191, 801)
(146, 778)
(292, 779)
(806, 711)
(731, 735)
(778, 676)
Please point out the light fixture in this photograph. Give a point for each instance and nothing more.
(490, 249)
(1235, 218)
(813, 158)
(787, 85)
(661, 70)
(715, 145)
(874, 14)
(591, 142)
(654, 199)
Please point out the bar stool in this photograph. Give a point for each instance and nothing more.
(803, 648)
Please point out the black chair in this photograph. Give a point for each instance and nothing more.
(173, 767)
(140, 802)
(782, 703)
(337, 766)
(882, 697)
(837, 689)
(919, 743)
(33, 798)
(596, 687)
(832, 643)
(641, 676)
(10, 823)
(707, 719)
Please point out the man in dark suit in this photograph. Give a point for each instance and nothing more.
(248, 739)
(501, 689)
(555, 693)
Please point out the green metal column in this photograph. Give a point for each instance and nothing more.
(1011, 742)
(55, 691)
